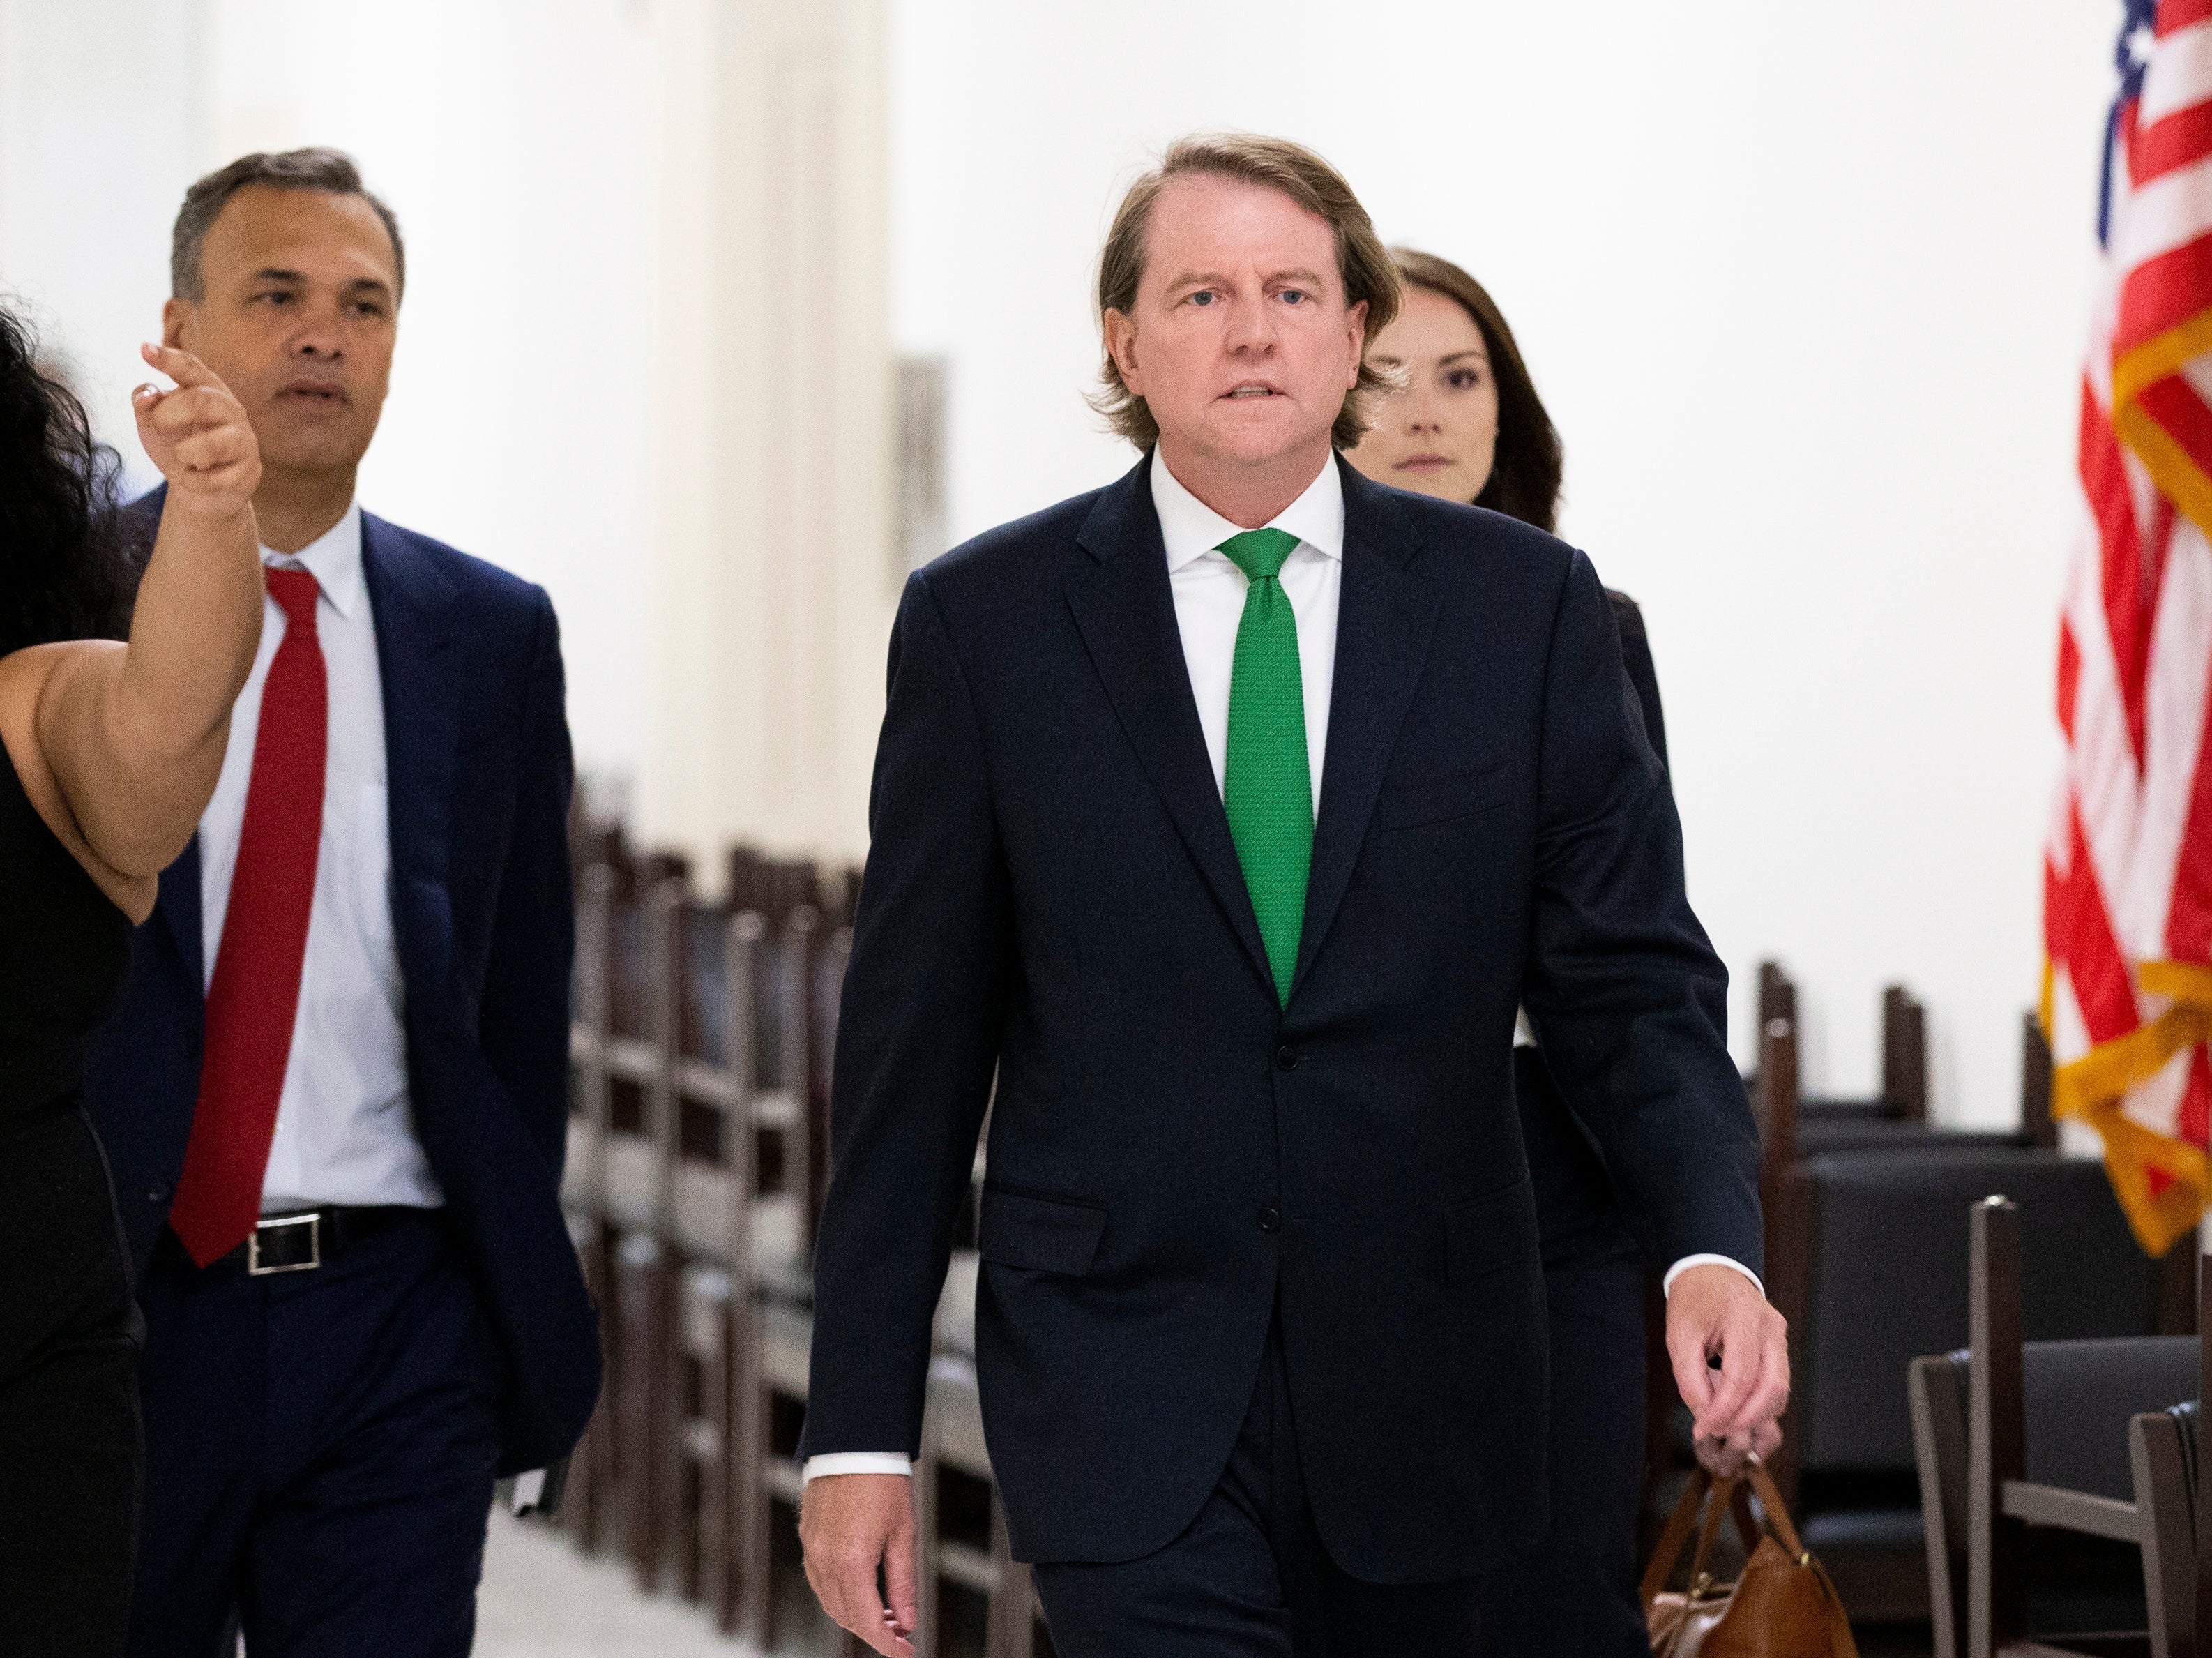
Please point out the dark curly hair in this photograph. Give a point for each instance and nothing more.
(63, 572)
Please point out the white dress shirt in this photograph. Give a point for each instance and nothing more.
(345, 1130)
(1209, 603)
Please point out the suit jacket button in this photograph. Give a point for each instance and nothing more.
(1286, 1057)
(1271, 1219)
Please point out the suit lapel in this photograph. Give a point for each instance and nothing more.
(1125, 609)
(178, 905)
(1386, 618)
(407, 596)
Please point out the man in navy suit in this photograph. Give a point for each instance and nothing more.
(1223, 816)
(334, 1095)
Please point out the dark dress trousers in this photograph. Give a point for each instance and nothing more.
(470, 1336)
(1576, 1595)
(1179, 1163)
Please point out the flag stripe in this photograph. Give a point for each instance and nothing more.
(2182, 137)
(2176, 15)
(2161, 296)
(2098, 972)
(2180, 69)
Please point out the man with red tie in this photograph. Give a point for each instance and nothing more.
(334, 1095)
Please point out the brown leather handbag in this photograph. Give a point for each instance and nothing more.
(1782, 1606)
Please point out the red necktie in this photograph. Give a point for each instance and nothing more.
(254, 995)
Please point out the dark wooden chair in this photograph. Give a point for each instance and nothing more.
(1788, 1140)
(695, 1054)
(2162, 1446)
(2174, 1511)
(701, 1052)
(745, 1074)
(2034, 1537)
(589, 1508)
(1871, 1267)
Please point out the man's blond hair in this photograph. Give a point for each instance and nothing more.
(1363, 262)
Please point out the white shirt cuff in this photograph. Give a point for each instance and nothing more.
(859, 1462)
(1666, 1283)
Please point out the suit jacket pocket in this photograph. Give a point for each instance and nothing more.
(1039, 1234)
(1442, 799)
(1490, 1234)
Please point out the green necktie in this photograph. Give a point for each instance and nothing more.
(1266, 788)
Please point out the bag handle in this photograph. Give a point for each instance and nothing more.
(1677, 1533)
(1778, 1512)
(1726, 1497)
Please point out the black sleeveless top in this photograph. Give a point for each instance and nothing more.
(64, 950)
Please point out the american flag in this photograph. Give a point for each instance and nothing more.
(2126, 1001)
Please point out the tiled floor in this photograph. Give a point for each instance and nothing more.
(541, 1599)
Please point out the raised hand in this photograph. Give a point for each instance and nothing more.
(198, 434)
(1715, 1312)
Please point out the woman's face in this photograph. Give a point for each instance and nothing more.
(1440, 434)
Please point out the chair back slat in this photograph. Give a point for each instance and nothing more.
(1905, 1054)
(2166, 1499)
(2035, 1121)
(1997, 1446)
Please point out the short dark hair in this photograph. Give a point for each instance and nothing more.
(1524, 475)
(318, 168)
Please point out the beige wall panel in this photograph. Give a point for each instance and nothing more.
(773, 593)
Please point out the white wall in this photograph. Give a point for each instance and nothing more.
(510, 137)
(773, 587)
(1804, 287)
(103, 105)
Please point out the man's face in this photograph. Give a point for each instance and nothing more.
(298, 307)
(1240, 344)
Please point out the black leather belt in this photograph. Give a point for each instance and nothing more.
(311, 1238)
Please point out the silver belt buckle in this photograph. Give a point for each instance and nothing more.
(312, 1220)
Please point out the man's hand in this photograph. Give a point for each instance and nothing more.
(849, 1524)
(198, 435)
(1715, 1312)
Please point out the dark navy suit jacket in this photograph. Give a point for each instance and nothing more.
(478, 767)
(1175, 1157)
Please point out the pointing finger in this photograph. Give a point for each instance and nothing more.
(181, 366)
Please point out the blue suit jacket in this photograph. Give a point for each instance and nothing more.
(1052, 899)
(478, 766)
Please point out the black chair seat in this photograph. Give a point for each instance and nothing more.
(1826, 1134)
(1855, 1529)
(2079, 1397)
(1813, 1109)
(1889, 1282)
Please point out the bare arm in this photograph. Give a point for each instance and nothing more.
(133, 735)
